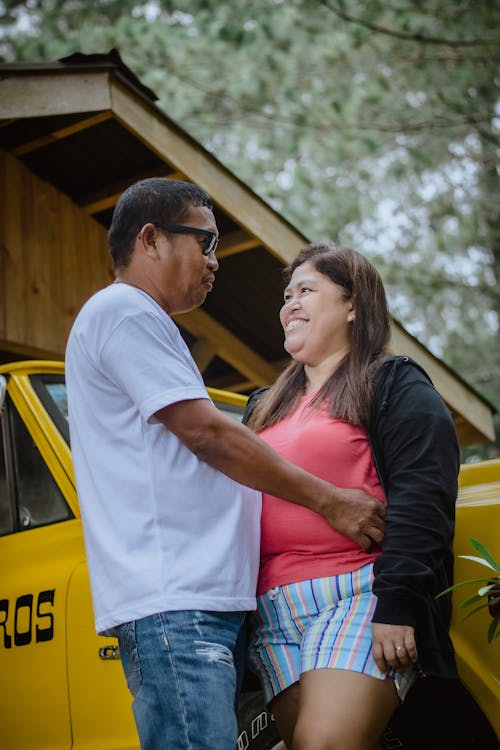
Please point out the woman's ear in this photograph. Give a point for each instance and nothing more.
(351, 316)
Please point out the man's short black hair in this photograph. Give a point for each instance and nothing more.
(158, 200)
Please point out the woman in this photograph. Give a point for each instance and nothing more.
(341, 635)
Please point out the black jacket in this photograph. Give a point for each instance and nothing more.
(415, 448)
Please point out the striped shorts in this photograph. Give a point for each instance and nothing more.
(324, 623)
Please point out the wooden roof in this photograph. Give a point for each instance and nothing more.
(87, 126)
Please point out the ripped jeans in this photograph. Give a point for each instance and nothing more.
(184, 670)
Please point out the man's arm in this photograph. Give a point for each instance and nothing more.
(237, 452)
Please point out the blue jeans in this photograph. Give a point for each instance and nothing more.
(184, 670)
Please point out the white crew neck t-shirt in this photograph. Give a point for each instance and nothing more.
(163, 530)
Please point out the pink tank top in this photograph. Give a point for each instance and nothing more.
(296, 543)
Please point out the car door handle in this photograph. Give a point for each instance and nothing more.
(109, 652)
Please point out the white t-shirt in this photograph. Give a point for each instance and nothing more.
(163, 530)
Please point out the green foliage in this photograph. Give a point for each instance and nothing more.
(369, 122)
(488, 592)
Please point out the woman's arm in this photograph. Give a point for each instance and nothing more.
(416, 443)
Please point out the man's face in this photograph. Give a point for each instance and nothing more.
(186, 275)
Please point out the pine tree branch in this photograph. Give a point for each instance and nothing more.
(235, 112)
(416, 37)
(487, 135)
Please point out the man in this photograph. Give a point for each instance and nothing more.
(165, 480)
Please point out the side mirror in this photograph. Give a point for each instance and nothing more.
(3, 391)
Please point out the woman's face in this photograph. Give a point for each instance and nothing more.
(315, 317)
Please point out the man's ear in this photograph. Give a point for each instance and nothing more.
(147, 238)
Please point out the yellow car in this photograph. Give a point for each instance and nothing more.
(61, 686)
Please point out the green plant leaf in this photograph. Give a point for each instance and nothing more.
(473, 611)
(485, 590)
(492, 630)
(489, 588)
(487, 557)
(478, 560)
(461, 584)
(470, 600)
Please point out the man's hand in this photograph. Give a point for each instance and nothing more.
(393, 646)
(356, 515)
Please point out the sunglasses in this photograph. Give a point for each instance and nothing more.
(210, 242)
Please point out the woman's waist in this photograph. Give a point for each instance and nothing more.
(293, 566)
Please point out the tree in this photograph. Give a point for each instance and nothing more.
(375, 123)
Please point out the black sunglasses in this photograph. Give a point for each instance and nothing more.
(211, 239)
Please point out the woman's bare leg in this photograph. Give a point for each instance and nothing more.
(285, 709)
(342, 710)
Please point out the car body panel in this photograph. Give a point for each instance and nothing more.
(34, 694)
(98, 724)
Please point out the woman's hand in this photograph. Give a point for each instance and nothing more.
(393, 646)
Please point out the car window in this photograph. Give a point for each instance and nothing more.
(59, 396)
(51, 390)
(38, 499)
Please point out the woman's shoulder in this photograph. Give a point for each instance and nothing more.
(253, 400)
(401, 384)
(400, 367)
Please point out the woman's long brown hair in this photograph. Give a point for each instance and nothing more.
(348, 391)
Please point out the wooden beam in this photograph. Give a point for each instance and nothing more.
(153, 127)
(104, 199)
(233, 382)
(228, 346)
(467, 434)
(103, 204)
(457, 395)
(56, 92)
(236, 242)
(33, 352)
(58, 135)
(203, 351)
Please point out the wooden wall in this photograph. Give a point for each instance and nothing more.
(52, 258)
